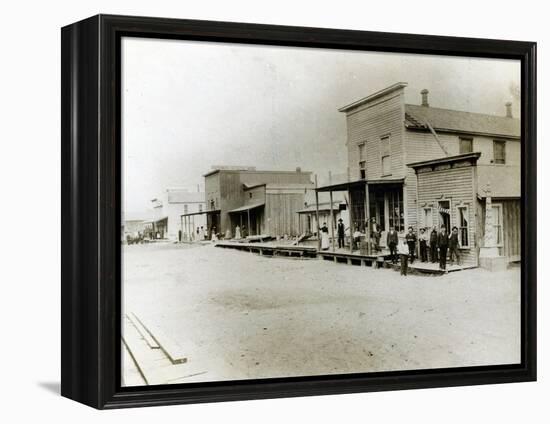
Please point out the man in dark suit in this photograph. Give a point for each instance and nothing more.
(392, 240)
(433, 245)
(341, 233)
(443, 245)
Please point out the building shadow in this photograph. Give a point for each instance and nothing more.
(51, 386)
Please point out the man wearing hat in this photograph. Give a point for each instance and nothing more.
(341, 233)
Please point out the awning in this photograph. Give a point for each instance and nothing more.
(201, 213)
(359, 183)
(164, 218)
(247, 207)
(323, 207)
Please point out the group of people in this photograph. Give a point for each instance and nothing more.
(240, 233)
(438, 244)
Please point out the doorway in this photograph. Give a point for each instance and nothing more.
(445, 215)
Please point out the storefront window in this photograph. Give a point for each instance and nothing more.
(395, 209)
(463, 225)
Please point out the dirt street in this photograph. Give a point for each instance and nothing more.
(240, 315)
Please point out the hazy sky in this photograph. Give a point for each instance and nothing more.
(190, 105)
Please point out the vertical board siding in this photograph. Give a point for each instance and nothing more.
(280, 214)
(511, 220)
(455, 185)
(226, 187)
(511, 211)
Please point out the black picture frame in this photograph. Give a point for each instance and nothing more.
(91, 210)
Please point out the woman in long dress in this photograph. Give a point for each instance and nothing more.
(214, 235)
(324, 237)
(238, 232)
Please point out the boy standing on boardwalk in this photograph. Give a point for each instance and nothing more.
(453, 246)
(410, 238)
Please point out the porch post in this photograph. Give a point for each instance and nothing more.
(332, 222)
(367, 217)
(350, 222)
(489, 248)
(317, 215)
(248, 216)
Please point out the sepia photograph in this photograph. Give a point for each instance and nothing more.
(293, 211)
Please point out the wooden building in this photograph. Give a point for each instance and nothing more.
(168, 209)
(385, 135)
(308, 216)
(263, 202)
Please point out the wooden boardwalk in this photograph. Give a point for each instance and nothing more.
(433, 268)
(341, 256)
(347, 257)
(267, 249)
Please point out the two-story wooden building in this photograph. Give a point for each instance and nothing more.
(386, 135)
(168, 209)
(264, 202)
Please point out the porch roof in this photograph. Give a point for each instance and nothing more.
(201, 212)
(359, 183)
(323, 207)
(247, 207)
(154, 221)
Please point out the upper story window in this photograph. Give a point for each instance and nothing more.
(361, 152)
(466, 145)
(499, 152)
(385, 155)
(362, 170)
(185, 209)
(200, 207)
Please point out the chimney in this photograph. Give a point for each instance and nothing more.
(425, 98)
(509, 110)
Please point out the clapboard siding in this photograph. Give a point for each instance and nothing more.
(457, 186)
(422, 145)
(273, 177)
(367, 124)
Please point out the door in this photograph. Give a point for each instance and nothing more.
(445, 215)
